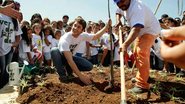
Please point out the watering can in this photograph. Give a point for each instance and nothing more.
(14, 72)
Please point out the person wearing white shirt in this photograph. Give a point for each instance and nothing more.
(94, 45)
(106, 57)
(9, 39)
(37, 42)
(60, 27)
(47, 43)
(25, 45)
(63, 55)
(116, 46)
(55, 40)
(156, 59)
(80, 50)
(144, 29)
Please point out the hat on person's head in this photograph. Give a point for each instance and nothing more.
(117, 1)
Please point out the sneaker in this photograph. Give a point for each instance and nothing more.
(137, 90)
(150, 80)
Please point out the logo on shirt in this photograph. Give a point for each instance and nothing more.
(72, 47)
(39, 43)
(6, 31)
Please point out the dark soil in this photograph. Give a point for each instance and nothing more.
(167, 89)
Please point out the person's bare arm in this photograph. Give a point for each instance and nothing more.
(88, 52)
(131, 37)
(69, 58)
(46, 41)
(9, 11)
(105, 51)
(176, 33)
(102, 31)
(29, 57)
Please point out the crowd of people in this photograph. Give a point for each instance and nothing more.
(76, 46)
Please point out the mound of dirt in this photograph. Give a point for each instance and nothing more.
(165, 90)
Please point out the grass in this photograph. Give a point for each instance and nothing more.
(41, 84)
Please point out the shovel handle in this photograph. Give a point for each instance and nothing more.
(122, 69)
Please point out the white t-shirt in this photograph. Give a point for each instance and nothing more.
(45, 47)
(23, 48)
(93, 50)
(116, 50)
(106, 41)
(69, 43)
(62, 32)
(157, 47)
(139, 13)
(54, 42)
(81, 48)
(36, 39)
(7, 34)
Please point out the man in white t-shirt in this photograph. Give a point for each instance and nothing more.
(9, 39)
(144, 30)
(63, 55)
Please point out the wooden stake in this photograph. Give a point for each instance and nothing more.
(111, 44)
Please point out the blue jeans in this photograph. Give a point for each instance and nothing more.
(62, 66)
(4, 61)
(94, 59)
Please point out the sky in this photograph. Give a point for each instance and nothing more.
(90, 10)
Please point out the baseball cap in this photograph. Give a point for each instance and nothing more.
(117, 1)
(9, 0)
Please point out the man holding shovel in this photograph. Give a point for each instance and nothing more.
(144, 30)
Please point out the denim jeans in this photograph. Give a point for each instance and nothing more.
(62, 66)
(4, 61)
(94, 59)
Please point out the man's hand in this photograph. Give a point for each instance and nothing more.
(86, 80)
(110, 22)
(124, 48)
(10, 11)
